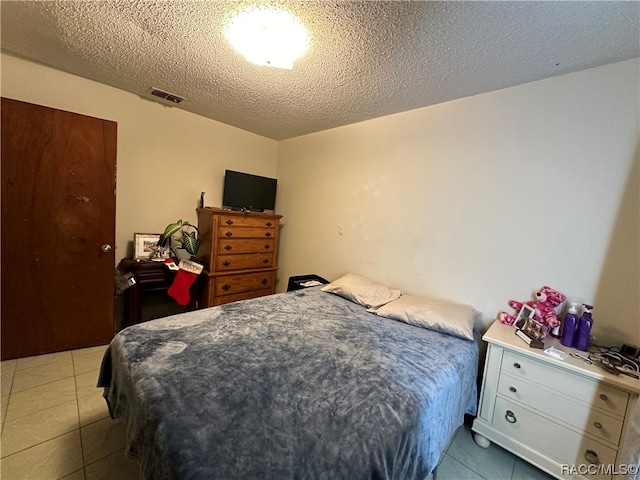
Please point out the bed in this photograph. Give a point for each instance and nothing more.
(298, 385)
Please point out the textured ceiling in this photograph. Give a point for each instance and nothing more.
(366, 59)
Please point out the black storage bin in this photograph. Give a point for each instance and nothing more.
(296, 283)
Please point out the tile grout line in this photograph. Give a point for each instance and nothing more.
(513, 469)
(4, 413)
(37, 444)
(79, 428)
(26, 391)
(75, 382)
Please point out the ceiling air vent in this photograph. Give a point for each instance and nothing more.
(170, 97)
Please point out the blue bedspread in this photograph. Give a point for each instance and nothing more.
(300, 385)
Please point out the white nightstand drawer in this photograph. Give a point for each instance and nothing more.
(561, 443)
(581, 388)
(549, 403)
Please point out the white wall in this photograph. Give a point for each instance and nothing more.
(166, 156)
(480, 200)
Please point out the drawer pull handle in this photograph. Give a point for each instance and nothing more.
(592, 457)
(264, 281)
(513, 389)
(603, 397)
(269, 224)
(229, 222)
(597, 424)
(265, 261)
(268, 234)
(226, 287)
(517, 365)
(229, 234)
(267, 246)
(226, 263)
(228, 247)
(510, 416)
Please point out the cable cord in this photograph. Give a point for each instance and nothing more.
(610, 358)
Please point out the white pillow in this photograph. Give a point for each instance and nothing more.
(435, 314)
(362, 290)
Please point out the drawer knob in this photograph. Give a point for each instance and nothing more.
(267, 246)
(513, 389)
(265, 261)
(229, 222)
(264, 281)
(591, 457)
(269, 224)
(597, 424)
(510, 416)
(226, 287)
(229, 234)
(228, 247)
(517, 365)
(226, 263)
(603, 397)
(268, 234)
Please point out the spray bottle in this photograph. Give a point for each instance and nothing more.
(584, 329)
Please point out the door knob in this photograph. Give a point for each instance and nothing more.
(106, 247)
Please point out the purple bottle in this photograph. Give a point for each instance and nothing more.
(584, 329)
(569, 326)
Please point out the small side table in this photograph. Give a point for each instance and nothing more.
(297, 282)
(150, 276)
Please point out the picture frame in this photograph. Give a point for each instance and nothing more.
(533, 329)
(525, 313)
(144, 245)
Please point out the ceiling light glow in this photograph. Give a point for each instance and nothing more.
(268, 37)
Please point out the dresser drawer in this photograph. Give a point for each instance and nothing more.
(240, 245)
(543, 435)
(575, 414)
(243, 261)
(246, 221)
(231, 284)
(246, 232)
(581, 388)
(240, 296)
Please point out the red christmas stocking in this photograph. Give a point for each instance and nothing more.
(188, 271)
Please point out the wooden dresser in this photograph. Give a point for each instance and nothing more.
(240, 251)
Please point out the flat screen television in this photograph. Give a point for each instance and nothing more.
(244, 191)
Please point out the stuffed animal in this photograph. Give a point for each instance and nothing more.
(546, 300)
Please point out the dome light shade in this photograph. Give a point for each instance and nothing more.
(268, 37)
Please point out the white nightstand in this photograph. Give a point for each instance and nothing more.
(566, 417)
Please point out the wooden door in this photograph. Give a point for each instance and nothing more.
(58, 229)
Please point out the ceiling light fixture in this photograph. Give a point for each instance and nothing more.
(269, 37)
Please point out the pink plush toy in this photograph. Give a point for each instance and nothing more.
(547, 299)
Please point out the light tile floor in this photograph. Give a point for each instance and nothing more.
(465, 460)
(55, 425)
